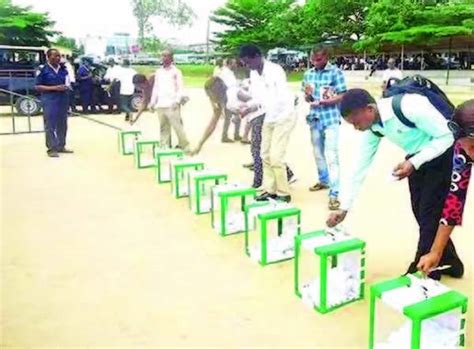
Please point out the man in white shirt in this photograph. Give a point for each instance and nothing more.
(227, 75)
(166, 98)
(270, 92)
(412, 123)
(127, 88)
(114, 87)
(391, 72)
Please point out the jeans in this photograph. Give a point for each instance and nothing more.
(326, 153)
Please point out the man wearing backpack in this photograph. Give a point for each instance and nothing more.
(413, 123)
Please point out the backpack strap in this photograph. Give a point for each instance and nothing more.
(397, 109)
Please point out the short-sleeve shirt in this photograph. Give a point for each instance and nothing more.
(83, 71)
(456, 199)
(325, 82)
(48, 76)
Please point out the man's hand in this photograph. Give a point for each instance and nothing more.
(175, 106)
(403, 170)
(61, 88)
(335, 218)
(315, 104)
(247, 110)
(428, 262)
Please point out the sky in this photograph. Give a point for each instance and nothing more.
(79, 18)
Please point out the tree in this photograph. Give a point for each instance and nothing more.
(175, 12)
(20, 26)
(409, 21)
(252, 21)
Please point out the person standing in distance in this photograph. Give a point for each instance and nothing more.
(51, 83)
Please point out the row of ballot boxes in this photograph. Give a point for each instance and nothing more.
(329, 265)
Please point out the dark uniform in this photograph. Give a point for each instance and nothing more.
(55, 107)
(86, 88)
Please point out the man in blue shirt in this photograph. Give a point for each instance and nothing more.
(324, 86)
(52, 82)
(86, 86)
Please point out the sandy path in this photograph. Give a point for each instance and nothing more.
(95, 253)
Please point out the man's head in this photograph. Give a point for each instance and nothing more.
(232, 63)
(126, 63)
(53, 56)
(140, 81)
(359, 109)
(391, 63)
(462, 126)
(251, 56)
(167, 58)
(111, 62)
(319, 56)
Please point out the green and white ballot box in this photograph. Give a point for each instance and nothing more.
(271, 228)
(180, 168)
(414, 312)
(329, 269)
(163, 158)
(200, 185)
(228, 207)
(126, 141)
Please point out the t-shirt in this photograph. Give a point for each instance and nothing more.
(125, 76)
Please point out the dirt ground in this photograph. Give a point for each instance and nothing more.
(96, 253)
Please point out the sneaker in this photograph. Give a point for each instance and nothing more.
(318, 187)
(266, 196)
(237, 139)
(292, 179)
(66, 151)
(53, 154)
(284, 198)
(334, 204)
(227, 140)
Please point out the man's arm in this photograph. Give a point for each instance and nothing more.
(217, 111)
(426, 117)
(179, 86)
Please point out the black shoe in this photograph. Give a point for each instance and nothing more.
(66, 151)
(227, 140)
(53, 154)
(266, 196)
(248, 165)
(284, 198)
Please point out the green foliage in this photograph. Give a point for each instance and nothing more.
(20, 26)
(361, 24)
(175, 12)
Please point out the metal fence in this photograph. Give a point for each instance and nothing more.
(20, 107)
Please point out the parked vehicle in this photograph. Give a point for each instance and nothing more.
(18, 68)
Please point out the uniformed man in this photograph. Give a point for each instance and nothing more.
(52, 83)
(86, 86)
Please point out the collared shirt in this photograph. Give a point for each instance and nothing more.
(50, 76)
(168, 88)
(70, 71)
(326, 82)
(112, 73)
(82, 72)
(125, 76)
(428, 140)
(270, 90)
(456, 199)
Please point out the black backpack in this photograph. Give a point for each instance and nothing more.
(420, 85)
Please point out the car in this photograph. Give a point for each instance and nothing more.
(18, 69)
